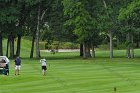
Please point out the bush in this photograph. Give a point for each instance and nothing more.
(42, 45)
(63, 45)
(27, 38)
(121, 46)
(69, 45)
(103, 47)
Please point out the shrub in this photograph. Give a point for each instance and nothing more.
(121, 46)
(63, 45)
(69, 45)
(103, 47)
(42, 45)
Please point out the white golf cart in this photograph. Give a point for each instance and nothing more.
(4, 65)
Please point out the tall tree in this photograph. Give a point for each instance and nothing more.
(130, 17)
(80, 18)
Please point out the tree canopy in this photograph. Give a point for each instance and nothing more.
(87, 22)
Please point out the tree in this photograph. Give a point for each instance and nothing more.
(8, 16)
(81, 20)
(131, 18)
(37, 13)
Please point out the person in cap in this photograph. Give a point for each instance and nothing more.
(43, 66)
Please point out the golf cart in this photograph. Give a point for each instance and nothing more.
(4, 65)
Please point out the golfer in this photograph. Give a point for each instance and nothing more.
(17, 65)
(43, 64)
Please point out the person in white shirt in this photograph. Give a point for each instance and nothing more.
(43, 64)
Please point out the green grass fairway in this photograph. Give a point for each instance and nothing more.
(72, 74)
(68, 73)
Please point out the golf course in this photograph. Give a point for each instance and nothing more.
(69, 46)
(67, 72)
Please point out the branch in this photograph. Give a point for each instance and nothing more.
(42, 16)
(105, 4)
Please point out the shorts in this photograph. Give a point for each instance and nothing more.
(17, 67)
(44, 68)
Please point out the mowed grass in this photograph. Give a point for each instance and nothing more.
(69, 73)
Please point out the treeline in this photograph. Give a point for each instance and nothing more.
(88, 22)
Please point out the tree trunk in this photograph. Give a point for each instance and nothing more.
(1, 51)
(86, 50)
(111, 44)
(128, 46)
(32, 48)
(37, 34)
(81, 49)
(138, 41)
(7, 46)
(11, 46)
(18, 45)
(118, 42)
(137, 44)
(132, 49)
(93, 51)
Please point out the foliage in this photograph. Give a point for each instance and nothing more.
(79, 18)
(71, 20)
(55, 20)
(130, 16)
(62, 45)
(132, 11)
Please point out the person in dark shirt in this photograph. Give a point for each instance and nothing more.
(17, 65)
